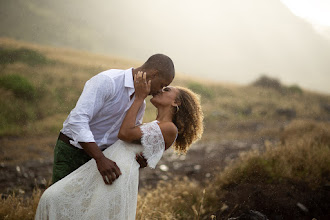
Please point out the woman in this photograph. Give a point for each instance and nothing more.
(83, 194)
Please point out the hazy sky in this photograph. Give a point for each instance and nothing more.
(315, 11)
(233, 41)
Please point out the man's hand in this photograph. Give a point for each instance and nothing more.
(141, 160)
(108, 169)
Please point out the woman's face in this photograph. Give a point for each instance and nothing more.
(165, 97)
(157, 83)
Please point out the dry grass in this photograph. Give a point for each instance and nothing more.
(16, 208)
(73, 57)
(302, 156)
(178, 199)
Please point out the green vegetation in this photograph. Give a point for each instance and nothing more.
(19, 85)
(33, 94)
(28, 56)
(275, 84)
(204, 91)
(46, 93)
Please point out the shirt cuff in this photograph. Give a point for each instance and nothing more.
(84, 135)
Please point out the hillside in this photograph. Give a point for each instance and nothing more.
(241, 39)
(57, 77)
(39, 85)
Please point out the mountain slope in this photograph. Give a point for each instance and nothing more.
(221, 40)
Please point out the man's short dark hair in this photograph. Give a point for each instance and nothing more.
(162, 63)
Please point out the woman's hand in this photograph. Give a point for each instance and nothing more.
(128, 131)
(142, 87)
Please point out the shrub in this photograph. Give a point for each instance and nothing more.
(201, 89)
(28, 56)
(19, 85)
(294, 89)
(268, 82)
(303, 155)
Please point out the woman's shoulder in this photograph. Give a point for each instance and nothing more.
(169, 131)
(167, 128)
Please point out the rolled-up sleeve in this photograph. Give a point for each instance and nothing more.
(96, 90)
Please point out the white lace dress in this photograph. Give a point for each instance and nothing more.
(83, 194)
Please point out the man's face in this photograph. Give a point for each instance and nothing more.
(158, 83)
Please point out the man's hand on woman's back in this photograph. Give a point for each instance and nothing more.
(108, 169)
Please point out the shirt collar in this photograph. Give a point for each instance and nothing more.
(129, 78)
(129, 83)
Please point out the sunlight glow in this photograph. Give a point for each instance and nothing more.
(315, 11)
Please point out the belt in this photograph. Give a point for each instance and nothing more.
(66, 140)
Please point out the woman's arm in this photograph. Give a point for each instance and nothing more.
(128, 131)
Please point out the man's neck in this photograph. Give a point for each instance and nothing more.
(135, 71)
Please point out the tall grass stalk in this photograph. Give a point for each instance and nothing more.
(176, 199)
(17, 208)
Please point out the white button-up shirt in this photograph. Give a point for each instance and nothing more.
(101, 109)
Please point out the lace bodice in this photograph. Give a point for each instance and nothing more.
(153, 143)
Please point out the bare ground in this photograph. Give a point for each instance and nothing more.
(200, 164)
(33, 168)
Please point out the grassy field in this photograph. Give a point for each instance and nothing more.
(299, 165)
(53, 80)
(39, 86)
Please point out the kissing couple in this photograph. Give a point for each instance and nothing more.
(103, 142)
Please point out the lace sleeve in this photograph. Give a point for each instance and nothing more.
(153, 143)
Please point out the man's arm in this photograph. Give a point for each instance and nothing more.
(96, 91)
(108, 168)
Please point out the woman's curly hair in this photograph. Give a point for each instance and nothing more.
(188, 118)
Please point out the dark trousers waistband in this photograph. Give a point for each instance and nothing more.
(66, 140)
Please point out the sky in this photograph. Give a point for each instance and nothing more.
(230, 41)
(315, 11)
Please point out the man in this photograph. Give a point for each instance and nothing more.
(93, 124)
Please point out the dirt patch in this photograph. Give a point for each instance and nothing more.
(201, 162)
(277, 201)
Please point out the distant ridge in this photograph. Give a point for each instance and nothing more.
(232, 41)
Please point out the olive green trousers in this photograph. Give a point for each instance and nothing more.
(67, 159)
